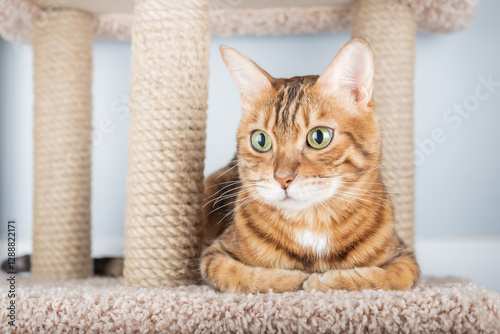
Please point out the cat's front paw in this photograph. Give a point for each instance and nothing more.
(238, 288)
(314, 282)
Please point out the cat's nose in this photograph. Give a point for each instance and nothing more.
(284, 181)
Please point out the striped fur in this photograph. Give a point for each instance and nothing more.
(336, 230)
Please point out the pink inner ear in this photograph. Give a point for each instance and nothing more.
(351, 69)
(357, 94)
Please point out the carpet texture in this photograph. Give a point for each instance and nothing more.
(104, 305)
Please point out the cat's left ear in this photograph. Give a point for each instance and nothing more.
(251, 80)
(352, 70)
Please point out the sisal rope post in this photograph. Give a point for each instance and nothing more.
(62, 51)
(168, 102)
(389, 27)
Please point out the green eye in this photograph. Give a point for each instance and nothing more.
(319, 137)
(261, 141)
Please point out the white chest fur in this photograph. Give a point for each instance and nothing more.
(317, 242)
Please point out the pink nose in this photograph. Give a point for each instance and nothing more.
(284, 181)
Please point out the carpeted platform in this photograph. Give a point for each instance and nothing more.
(104, 305)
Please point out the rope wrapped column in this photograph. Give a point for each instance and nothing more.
(62, 48)
(389, 27)
(168, 102)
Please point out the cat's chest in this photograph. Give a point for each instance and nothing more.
(300, 248)
(311, 241)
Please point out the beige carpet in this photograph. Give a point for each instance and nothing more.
(104, 305)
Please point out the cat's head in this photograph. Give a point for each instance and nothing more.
(301, 138)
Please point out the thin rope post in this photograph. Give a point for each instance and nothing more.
(62, 51)
(168, 102)
(389, 26)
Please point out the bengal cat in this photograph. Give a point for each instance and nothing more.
(302, 205)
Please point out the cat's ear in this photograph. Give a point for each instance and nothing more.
(351, 69)
(250, 79)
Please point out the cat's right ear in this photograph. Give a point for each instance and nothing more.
(351, 70)
(251, 80)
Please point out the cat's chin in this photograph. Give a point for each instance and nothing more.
(291, 204)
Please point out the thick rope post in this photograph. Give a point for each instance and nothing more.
(168, 102)
(389, 27)
(62, 48)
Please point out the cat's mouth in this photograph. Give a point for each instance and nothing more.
(288, 198)
(299, 196)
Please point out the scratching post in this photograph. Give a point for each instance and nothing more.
(389, 27)
(62, 47)
(168, 101)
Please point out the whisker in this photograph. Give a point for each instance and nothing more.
(227, 187)
(222, 190)
(387, 202)
(233, 211)
(221, 198)
(323, 205)
(222, 206)
(220, 183)
(352, 174)
(234, 189)
(234, 182)
(365, 182)
(357, 203)
(235, 201)
(377, 191)
(236, 165)
(263, 202)
(361, 199)
(368, 183)
(244, 191)
(371, 183)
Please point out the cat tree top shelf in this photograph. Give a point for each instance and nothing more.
(113, 18)
(127, 6)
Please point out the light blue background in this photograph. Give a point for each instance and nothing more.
(457, 185)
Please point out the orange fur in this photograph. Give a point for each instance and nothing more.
(346, 241)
